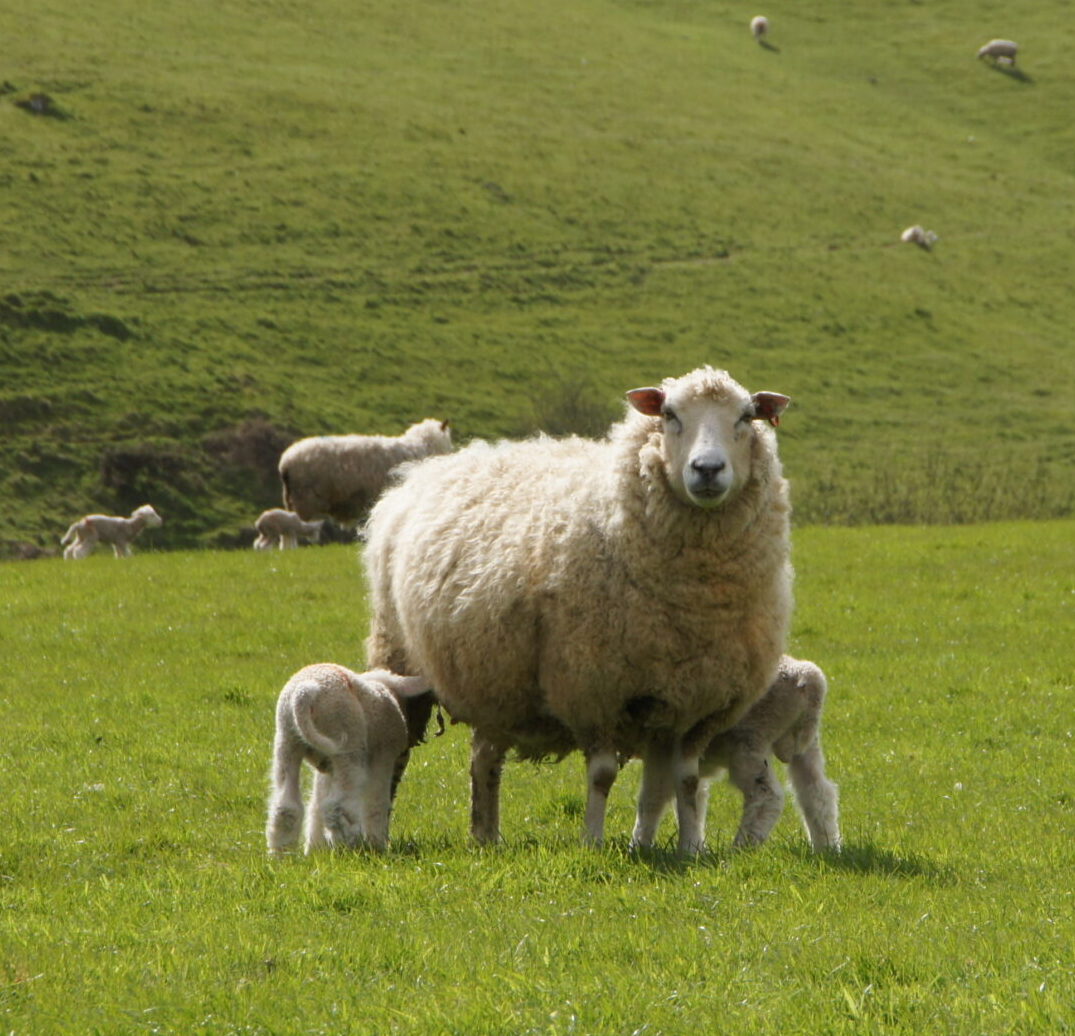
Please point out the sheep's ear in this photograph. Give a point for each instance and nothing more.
(768, 406)
(646, 401)
(446, 426)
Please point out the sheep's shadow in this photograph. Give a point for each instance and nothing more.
(1011, 72)
(769, 46)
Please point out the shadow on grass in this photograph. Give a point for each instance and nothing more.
(765, 45)
(1012, 73)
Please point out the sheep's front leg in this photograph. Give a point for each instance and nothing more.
(486, 766)
(601, 770)
(656, 792)
(763, 797)
(691, 800)
(817, 798)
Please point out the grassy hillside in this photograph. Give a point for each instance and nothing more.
(137, 897)
(247, 220)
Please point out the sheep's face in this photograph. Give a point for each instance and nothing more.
(149, 516)
(707, 433)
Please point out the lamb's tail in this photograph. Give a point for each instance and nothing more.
(302, 710)
(69, 536)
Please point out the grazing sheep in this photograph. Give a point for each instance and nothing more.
(759, 27)
(1001, 51)
(351, 729)
(281, 528)
(81, 539)
(623, 597)
(916, 235)
(340, 476)
(785, 722)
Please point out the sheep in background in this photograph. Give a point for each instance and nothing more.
(81, 539)
(281, 528)
(340, 476)
(785, 722)
(351, 729)
(759, 27)
(916, 235)
(623, 597)
(1001, 51)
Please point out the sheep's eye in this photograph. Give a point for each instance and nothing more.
(747, 416)
(670, 416)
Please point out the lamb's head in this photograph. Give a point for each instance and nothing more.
(706, 431)
(436, 435)
(149, 517)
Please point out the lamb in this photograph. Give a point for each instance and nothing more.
(1001, 51)
(785, 722)
(81, 539)
(281, 528)
(629, 596)
(759, 27)
(340, 476)
(916, 235)
(351, 729)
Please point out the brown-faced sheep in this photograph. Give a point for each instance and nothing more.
(623, 597)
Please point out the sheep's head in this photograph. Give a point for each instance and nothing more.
(707, 423)
(148, 516)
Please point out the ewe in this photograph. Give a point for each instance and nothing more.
(785, 722)
(82, 537)
(281, 528)
(623, 597)
(339, 476)
(1001, 51)
(351, 728)
(759, 27)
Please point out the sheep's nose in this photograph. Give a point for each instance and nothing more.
(708, 469)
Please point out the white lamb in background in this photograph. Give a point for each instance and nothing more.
(279, 528)
(340, 476)
(82, 537)
(916, 235)
(629, 596)
(351, 729)
(1001, 51)
(785, 722)
(759, 26)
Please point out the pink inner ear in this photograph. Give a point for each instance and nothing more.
(646, 401)
(768, 406)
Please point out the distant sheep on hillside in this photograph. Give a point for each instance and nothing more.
(82, 537)
(1001, 51)
(916, 235)
(279, 528)
(759, 26)
(340, 476)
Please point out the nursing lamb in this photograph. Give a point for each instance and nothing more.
(630, 596)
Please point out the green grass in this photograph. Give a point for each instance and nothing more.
(136, 895)
(256, 220)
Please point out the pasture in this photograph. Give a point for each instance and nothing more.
(137, 702)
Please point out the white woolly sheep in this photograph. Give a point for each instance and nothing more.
(628, 596)
(340, 476)
(351, 729)
(279, 528)
(759, 26)
(1001, 51)
(917, 235)
(785, 722)
(81, 539)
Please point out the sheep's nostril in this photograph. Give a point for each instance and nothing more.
(708, 468)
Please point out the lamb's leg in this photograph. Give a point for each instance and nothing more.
(376, 800)
(691, 800)
(601, 771)
(655, 794)
(342, 802)
(763, 797)
(316, 837)
(285, 804)
(817, 798)
(288, 541)
(486, 766)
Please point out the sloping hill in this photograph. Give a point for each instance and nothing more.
(241, 221)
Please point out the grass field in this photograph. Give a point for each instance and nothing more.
(137, 710)
(249, 220)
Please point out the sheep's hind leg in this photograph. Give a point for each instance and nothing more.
(486, 766)
(817, 798)
(601, 771)
(763, 798)
(285, 805)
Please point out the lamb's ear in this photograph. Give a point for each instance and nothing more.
(646, 401)
(768, 406)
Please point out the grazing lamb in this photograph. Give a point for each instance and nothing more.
(1001, 51)
(81, 539)
(916, 235)
(759, 27)
(340, 476)
(281, 528)
(350, 727)
(623, 597)
(785, 722)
